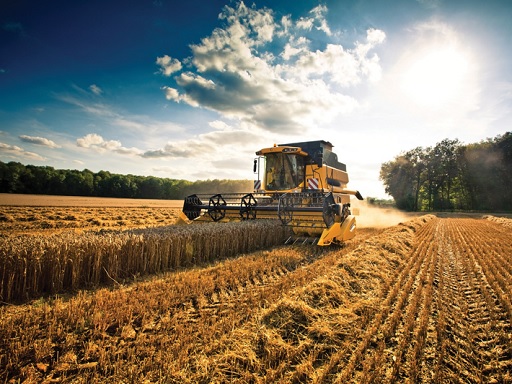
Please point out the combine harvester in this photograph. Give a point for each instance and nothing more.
(303, 185)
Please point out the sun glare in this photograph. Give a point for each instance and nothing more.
(436, 77)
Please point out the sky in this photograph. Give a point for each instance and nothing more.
(191, 90)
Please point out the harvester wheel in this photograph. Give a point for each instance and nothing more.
(247, 205)
(217, 207)
(285, 209)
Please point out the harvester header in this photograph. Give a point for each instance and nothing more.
(303, 184)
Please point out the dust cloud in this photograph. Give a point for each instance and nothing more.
(368, 216)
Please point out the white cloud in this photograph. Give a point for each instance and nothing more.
(317, 20)
(39, 141)
(226, 152)
(100, 110)
(212, 145)
(305, 23)
(97, 143)
(95, 89)
(219, 125)
(375, 36)
(15, 152)
(171, 94)
(264, 73)
(120, 119)
(319, 15)
(295, 47)
(168, 65)
(92, 139)
(286, 24)
(341, 66)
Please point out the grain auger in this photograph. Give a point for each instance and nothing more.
(302, 184)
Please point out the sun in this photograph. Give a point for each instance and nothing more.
(435, 77)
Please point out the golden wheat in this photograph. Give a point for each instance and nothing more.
(49, 219)
(34, 265)
(425, 301)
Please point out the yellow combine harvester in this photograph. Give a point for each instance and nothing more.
(303, 184)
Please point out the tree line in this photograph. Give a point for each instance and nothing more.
(30, 179)
(452, 176)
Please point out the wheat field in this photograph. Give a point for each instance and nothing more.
(56, 214)
(424, 301)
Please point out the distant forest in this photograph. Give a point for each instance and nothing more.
(453, 176)
(30, 179)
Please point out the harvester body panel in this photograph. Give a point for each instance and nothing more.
(304, 185)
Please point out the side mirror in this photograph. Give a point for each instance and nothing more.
(255, 167)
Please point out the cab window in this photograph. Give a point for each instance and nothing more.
(283, 171)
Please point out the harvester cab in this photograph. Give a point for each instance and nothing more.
(302, 184)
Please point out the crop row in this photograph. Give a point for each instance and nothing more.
(165, 329)
(34, 265)
(449, 321)
(322, 331)
(427, 301)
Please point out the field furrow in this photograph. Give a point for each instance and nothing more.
(178, 320)
(441, 320)
(426, 301)
(474, 329)
(380, 355)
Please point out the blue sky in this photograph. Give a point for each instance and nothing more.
(190, 90)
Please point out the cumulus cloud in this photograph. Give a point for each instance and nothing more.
(209, 145)
(264, 72)
(171, 93)
(97, 143)
(39, 141)
(319, 16)
(220, 125)
(168, 65)
(14, 151)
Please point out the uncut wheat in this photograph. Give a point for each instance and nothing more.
(35, 265)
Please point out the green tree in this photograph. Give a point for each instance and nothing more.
(150, 188)
(102, 183)
(4, 177)
(503, 145)
(398, 178)
(451, 175)
(13, 181)
(445, 170)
